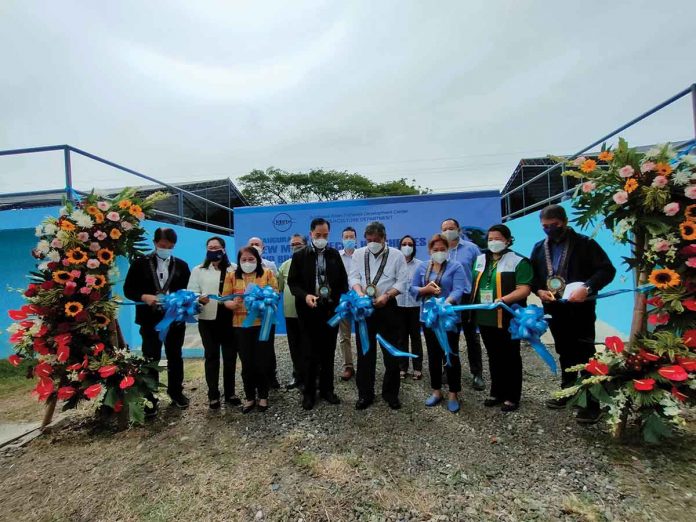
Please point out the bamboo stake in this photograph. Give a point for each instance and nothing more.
(50, 410)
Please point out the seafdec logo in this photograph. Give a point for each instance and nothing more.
(282, 222)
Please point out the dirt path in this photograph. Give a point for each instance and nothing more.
(335, 463)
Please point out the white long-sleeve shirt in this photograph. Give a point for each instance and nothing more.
(206, 281)
(395, 273)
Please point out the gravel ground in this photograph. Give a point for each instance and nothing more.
(336, 463)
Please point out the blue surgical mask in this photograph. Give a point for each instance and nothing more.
(164, 253)
(349, 244)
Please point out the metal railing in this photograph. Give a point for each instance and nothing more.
(70, 190)
(510, 215)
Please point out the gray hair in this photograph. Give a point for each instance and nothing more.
(376, 228)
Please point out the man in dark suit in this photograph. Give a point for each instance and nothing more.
(317, 279)
(568, 257)
(149, 277)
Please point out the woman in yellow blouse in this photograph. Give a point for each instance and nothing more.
(256, 356)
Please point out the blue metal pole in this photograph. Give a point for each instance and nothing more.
(693, 104)
(68, 173)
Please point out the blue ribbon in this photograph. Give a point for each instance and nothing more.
(263, 303)
(179, 307)
(393, 349)
(528, 324)
(441, 317)
(353, 307)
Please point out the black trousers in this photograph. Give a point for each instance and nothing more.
(273, 365)
(410, 329)
(256, 362)
(319, 343)
(573, 328)
(473, 344)
(217, 335)
(152, 351)
(292, 328)
(384, 321)
(436, 360)
(504, 362)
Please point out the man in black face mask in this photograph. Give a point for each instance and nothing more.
(568, 257)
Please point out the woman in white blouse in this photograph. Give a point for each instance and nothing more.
(409, 311)
(215, 323)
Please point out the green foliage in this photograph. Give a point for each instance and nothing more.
(655, 428)
(275, 186)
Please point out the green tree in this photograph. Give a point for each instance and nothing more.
(275, 186)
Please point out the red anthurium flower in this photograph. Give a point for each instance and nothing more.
(40, 346)
(690, 304)
(689, 250)
(17, 315)
(107, 371)
(596, 368)
(43, 370)
(127, 382)
(66, 392)
(92, 391)
(658, 319)
(615, 344)
(14, 359)
(44, 389)
(648, 356)
(689, 338)
(688, 363)
(63, 353)
(678, 395)
(82, 376)
(47, 285)
(63, 338)
(17, 336)
(98, 348)
(118, 406)
(673, 373)
(74, 367)
(26, 324)
(656, 301)
(31, 290)
(644, 384)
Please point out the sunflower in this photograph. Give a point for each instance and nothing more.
(101, 320)
(73, 308)
(588, 166)
(92, 210)
(606, 155)
(690, 212)
(62, 277)
(631, 185)
(66, 225)
(76, 256)
(664, 278)
(99, 218)
(124, 204)
(663, 169)
(688, 230)
(99, 281)
(135, 210)
(115, 233)
(105, 256)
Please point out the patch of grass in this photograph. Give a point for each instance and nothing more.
(13, 379)
(582, 509)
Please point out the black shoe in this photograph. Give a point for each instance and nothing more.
(214, 404)
(331, 398)
(307, 403)
(247, 409)
(180, 401)
(274, 383)
(363, 404)
(510, 407)
(557, 404)
(588, 415)
(151, 411)
(478, 383)
(233, 401)
(262, 408)
(491, 401)
(394, 404)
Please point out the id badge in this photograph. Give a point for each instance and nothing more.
(486, 296)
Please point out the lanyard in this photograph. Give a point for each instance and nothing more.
(562, 262)
(439, 275)
(380, 271)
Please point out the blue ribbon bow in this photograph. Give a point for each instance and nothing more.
(261, 302)
(353, 307)
(179, 307)
(441, 317)
(528, 324)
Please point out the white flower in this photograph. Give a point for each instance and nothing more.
(36, 327)
(38, 231)
(62, 235)
(81, 219)
(63, 211)
(43, 266)
(658, 150)
(14, 328)
(50, 229)
(689, 159)
(114, 273)
(53, 255)
(43, 246)
(682, 177)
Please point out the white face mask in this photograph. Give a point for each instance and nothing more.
(451, 235)
(375, 247)
(164, 253)
(439, 257)
(407, 250)
(496, 246)
(259, 249)
(248, 267)
(320, 243)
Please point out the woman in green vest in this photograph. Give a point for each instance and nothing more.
(501, 275)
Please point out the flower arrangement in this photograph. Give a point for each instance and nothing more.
(68, 326)
(648, 200)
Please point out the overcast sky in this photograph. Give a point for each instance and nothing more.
(449, 93)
